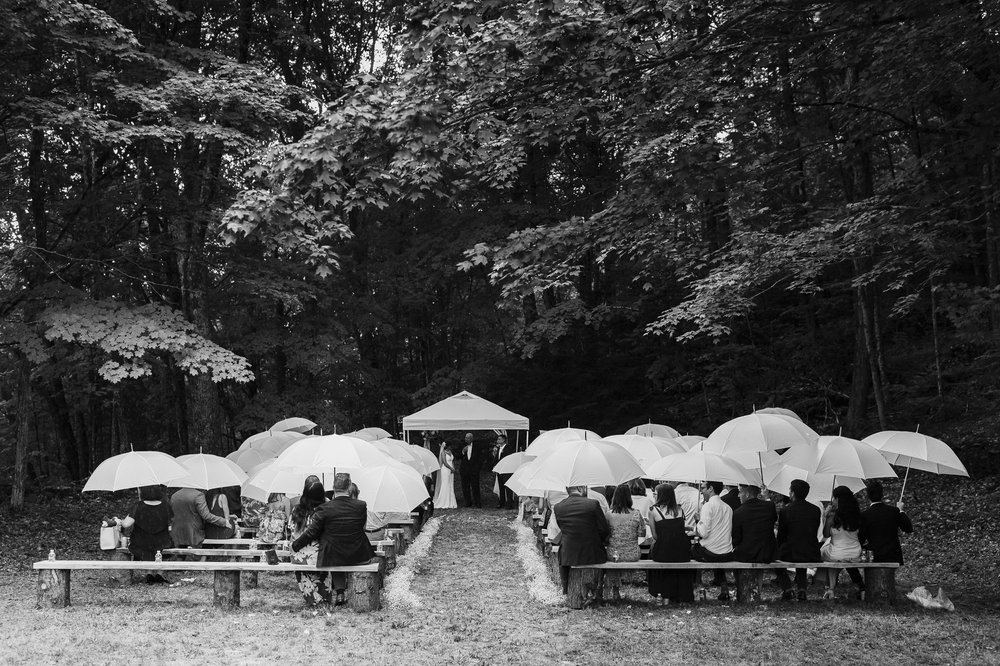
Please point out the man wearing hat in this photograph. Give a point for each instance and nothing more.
(339, 527)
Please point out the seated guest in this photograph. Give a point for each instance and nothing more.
(627, 527)
(641, 501)
(688, 499)
(273, 524)
(715, 529)
(798, 522)
(881, 525)
(313, 586)
(841, 523)
(218, 504)
(670, 544)
(753, 528)
(731, 496)
(582, 532)
(191, 514)
(339, 527)
(148, 524)
(376, 521)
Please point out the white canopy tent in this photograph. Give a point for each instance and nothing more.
(464, 411)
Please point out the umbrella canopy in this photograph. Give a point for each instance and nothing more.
(330, 453)
(688, 441)
(761, 432)
(428, 461)
(582, 462)
(550, 440)
(653, 430)
(752, 460)
(841, 456)
(276, 442)
(293, 424)
(646, 449)
(913, 449)
(267, 478)
(135, 469)
(781, 411)
(396, 449)
(386, 488)
(510, 463)
(207, 471)
(779, 479)
(250, 458)
(694, 466)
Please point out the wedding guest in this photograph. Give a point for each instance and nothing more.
(689, 500)
(191, 514)
(627, 527)
(274, 523)
(218, 504)
(840, 525)
(798, 522)
(881, 525)
(313, 586)
(715, 529)
(641, 500)
(148, 527)
(582, 532)
(670, 544)
(753, 527)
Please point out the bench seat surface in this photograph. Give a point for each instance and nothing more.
(178, 565)
(649, 564)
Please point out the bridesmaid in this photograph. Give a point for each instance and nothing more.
(670, 544)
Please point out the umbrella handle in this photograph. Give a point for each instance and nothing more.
(905, 477)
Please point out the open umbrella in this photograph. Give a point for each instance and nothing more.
(695, 466)
(688, 441)
(779, 479)
(396, 449)
(840, 456)
(267, 478)
(369, 434)
(582, 462)
(646, 449)
(134, 469)
(428, 461)
(207, 471)
(550, 440)
(761, 432)
(276, 442)
(653, 430)
(387, 488)
(293, 424)
(752, 460)
(781, 411)
(913, 449)
(250, 458)
(511, 462)
(330, 453)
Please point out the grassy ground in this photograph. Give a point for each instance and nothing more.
(476, 609)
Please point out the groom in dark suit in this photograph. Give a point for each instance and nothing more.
(583, 531)
(753, 528)
(880, 527)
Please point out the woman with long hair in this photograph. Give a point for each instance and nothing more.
(627, 527)
(840, 525)
(670, 544)
(313, 586)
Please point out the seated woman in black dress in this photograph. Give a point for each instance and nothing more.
(149, 523)
(670, 544)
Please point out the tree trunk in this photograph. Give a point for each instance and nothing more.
(21, 440)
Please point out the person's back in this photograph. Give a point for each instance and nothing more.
(753, 528)
(190, 515)
(798, 523)
(339, 527)
(688, 500)
(880, 527)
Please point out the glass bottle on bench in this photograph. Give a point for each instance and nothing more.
(159, 556)
(52, 554)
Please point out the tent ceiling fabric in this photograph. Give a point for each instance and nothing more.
(464, 411)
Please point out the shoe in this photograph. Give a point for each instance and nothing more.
(339, 601)
(788, 595)
(724, 596)
(150, 579)
(828, 595)
(801, 596)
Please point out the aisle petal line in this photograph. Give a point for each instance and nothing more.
(540, 585)
(397, 584)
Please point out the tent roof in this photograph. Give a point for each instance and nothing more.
(464, 411)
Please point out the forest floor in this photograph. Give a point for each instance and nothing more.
(470, 603)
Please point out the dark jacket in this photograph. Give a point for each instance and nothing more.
(190, 515)
(584, 531)
(339, 527)
(753, 531)
(798, 524)
(732, 498)
(879, 532)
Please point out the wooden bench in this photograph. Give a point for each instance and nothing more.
(408, 526)
(363, 593)
(880, 577)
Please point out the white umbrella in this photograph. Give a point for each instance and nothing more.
(511, 462)
(250, 458)
(267, 478)
(582, 462)
(781, 411)
(386, 488)
(331, 453)
(840, 456)
(646, 449)
(276, 442)
(134, 469)
(688, 441)
(913, 449)
(779, 479)
(294, 424)
(369, 434)
(207, 471)
(653, 430)
(428, 461)
(253, 438)
(395, 449)
(761, 432)
(752, 460)
(550, 440)
(694, 466)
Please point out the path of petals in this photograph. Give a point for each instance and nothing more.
(540, 585)
(397, 584)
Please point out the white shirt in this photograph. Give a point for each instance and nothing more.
(716, 526)
(687, 500)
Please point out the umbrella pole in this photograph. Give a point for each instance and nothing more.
(905, 477)
(760, 466)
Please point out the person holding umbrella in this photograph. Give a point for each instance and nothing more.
(148, 523)
(191, 514)
(798, 523)
(881, 525)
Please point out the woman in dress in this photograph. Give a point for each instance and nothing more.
(670, 544)
(841, 523)
(274, 522)
(148, 522)
(444, 494)
(314, 586)
(627, 527)
(218, 504)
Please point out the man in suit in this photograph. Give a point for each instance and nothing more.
(732, 497)
(798, 522)
(753, 528)
(505, 496)
(582, 534)
(190, 515)
(339, 527)
(470, 464)
(880, 526)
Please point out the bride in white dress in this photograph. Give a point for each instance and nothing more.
(444, 493)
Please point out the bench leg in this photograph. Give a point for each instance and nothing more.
(389, 550)
(124, 556)
(363, 593)
(53, 588)
(880, 586)
(583, 584)
(227, 589)
(748, 584)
